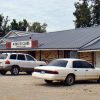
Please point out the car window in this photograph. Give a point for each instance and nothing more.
(81, 64)
(13, 56)
(29, 58)
(77, 64)
(21, 57)
(86, 65)
(3, 56)
(60, 63)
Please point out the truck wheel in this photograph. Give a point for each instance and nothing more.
(15, 70)
(3, 72)
(70, 79)
(48, 81)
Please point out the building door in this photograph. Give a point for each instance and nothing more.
(98, 59)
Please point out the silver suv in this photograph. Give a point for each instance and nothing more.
(18, 62)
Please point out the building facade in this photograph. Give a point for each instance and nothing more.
(77, 43)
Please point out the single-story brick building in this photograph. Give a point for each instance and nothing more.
(81, 43)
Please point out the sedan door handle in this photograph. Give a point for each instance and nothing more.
(75, 70)
(86, 70)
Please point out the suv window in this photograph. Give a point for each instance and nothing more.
(81, 64)
(3, 56)
(13, 56)
(29, 58)
(21, 57)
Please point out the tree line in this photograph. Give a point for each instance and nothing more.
(6, 26)
(87, 13)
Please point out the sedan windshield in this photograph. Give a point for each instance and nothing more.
(3, 56)
(60, 63)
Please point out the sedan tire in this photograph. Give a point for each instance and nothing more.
(48, 81)
(70, 79)
(98, 80)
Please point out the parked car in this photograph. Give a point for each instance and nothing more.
(67, 71)
(16, 62)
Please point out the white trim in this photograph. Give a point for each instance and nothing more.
(91, 42)
(88, 50)
(39, 49)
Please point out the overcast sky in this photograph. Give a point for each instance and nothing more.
(58, 14)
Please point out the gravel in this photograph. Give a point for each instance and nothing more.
(25, 87)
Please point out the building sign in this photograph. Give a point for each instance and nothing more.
(21, 44)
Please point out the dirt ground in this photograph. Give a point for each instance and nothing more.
(25, 87)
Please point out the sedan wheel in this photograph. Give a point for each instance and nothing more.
(70, 79)
(48, 81)
(98, 80)
(15, 71)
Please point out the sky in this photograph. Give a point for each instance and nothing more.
(57, 14)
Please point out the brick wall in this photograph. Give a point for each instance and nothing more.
(88, 56)
(37, 55)
(61, 54)
(49, 55)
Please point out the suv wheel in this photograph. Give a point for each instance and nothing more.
(3, 72)
(15, 71)
(70, 79)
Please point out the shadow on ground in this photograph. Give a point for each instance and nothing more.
(20, 74)
(61, 84)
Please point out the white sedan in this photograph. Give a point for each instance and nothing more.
(67, 70)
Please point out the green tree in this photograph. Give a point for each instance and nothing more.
(82, 14)
(4, 28)
(96, 12)
(25, 24)
(14, 25)
(21, 25)
(1, 21)
(37, 27)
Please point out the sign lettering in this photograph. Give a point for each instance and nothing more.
(21, 44)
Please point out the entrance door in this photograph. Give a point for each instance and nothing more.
(98, 59)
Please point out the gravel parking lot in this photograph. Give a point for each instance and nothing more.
(25, 87)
